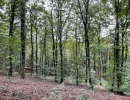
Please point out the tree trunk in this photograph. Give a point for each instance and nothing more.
(116, 47)
(44, 52)
(99, 62)
(94, 62)
(88, 60)
(60, 39)
(53, 48)
(56, 57)
(76, 58)
(61, 53)
(87, 48)
(36, 51)
(32, 64)
(23, 39)
(11, 35)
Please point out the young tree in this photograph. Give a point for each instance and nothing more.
(36, 29)
(32, 47)
(45, 48)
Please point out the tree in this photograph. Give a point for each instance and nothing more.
(61, 24)
(84, 17)
(23, 38)
(54, 44)
(32, 47)
(11, 29)
(36, 29)
(119, 57)
(45, 48)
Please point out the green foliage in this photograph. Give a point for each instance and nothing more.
(3, 50)
(95, 81)
(55, 93)
(83, 95)
(2, 2)
(104, 1)
(126, 78)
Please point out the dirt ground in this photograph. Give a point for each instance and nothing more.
(33, 88)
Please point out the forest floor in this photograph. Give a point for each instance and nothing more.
(33, 88)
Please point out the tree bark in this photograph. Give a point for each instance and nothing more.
(116, 47)
(99, 62)
(53, 48)
(23, 38)
(36, 51)
(32, 64)
(84, 18)
(76, 58)
(13, 6)
(44, 51)
(60, 39)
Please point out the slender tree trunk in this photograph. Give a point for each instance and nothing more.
(76, 58)
(32, 64)
(42, 57)
(122, 52)
(88, 61)
(94, 62)
(126, 53)
(87, 47)
(36, 51)
(61, 53)
(11, 35)
(100, 67)
(53, 47)
(88, 69)
(23, 38)
(44, 52)
(60, 39)
(56, 57)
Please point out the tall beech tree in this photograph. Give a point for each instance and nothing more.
(54, 43)
(60, 38)
(11, 30)
(23, 37)
(119, 57)
(84, 18)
